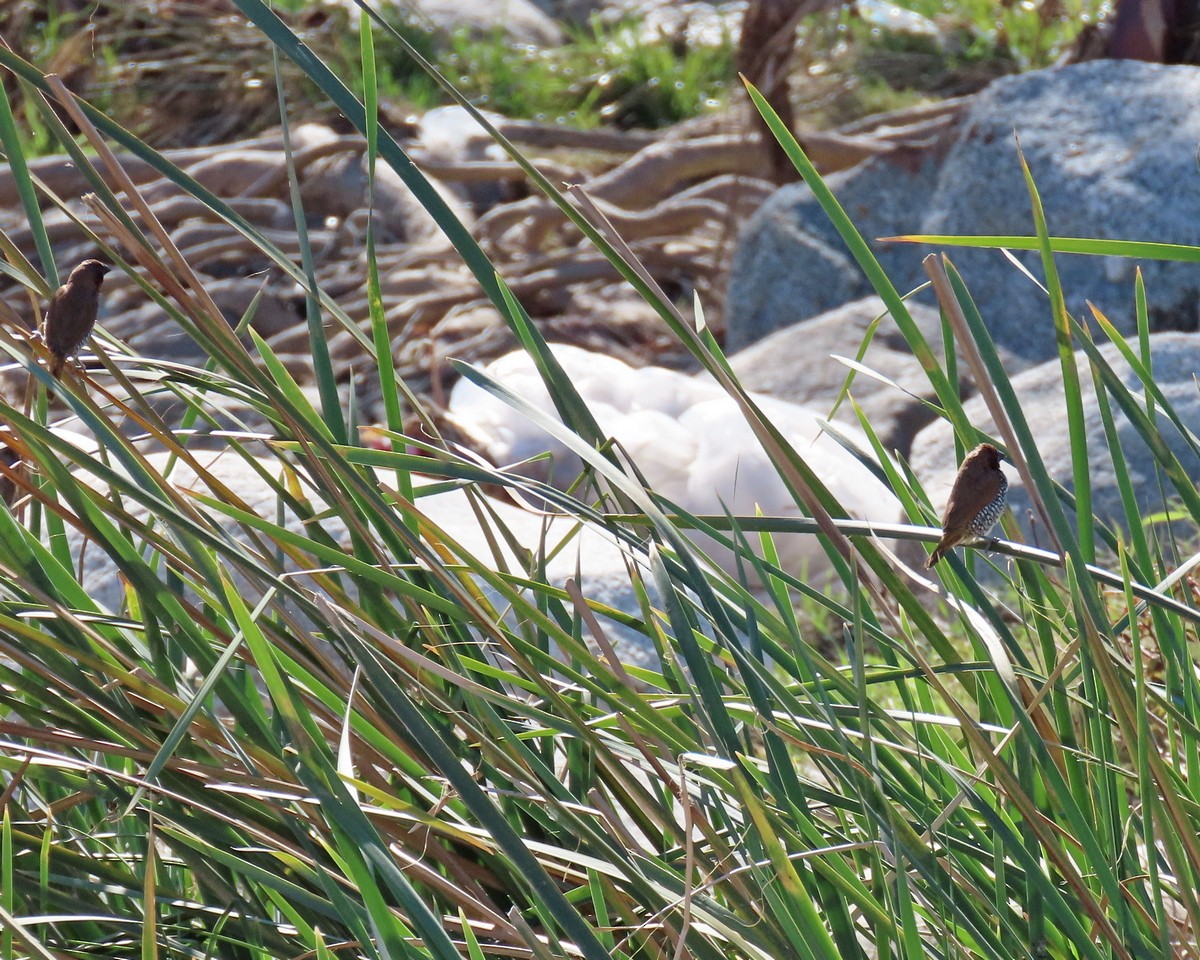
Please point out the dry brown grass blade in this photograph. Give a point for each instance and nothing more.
(197, 302)
(936, 271)
(192, 296)
(766, 436)
(587, 206)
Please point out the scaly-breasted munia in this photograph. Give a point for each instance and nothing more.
(976, 500)
(72, 314)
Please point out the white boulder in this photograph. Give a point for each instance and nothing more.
(687, 437)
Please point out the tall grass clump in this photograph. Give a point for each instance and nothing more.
(325, 728)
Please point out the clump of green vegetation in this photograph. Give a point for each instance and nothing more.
(856, 64)
(194, 77)
(1034, 33)
(603, 75)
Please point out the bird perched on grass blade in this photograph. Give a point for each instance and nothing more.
(72, 313)
(976, 500)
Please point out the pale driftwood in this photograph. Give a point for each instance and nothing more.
(489, 342)
(923, 133)
(215, 167)
(261, 211)
(662, 168)
(550, 136)
(905, 117)
(416, 301)
(494, 226)
(60, 174)
(486, 171)
(414, 283)
(204, 242)
(645, 177)
(719, 200)
(732, 189)
(227, 174)
(831, 151)
(418, 316)
(272, 182)
(60, 229)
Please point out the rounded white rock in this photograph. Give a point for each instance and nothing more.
(687, 437)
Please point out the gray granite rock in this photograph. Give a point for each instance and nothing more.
(1112, 147)
(689, 440)
(1176, 358)
(791, 264)
(797, 364)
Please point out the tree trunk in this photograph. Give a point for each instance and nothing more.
(1157, 31)
(764, 57)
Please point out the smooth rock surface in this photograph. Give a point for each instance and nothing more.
(1112, 148)
(796, 364)
(687, 437)
(791, 264)
(1111, 145)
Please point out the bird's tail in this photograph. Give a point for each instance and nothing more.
(56, 365)
(939, 551)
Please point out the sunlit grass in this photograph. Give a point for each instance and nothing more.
(329, 729)
(603, 75)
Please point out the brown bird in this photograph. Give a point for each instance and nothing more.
(976, 500)
(72, 313)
